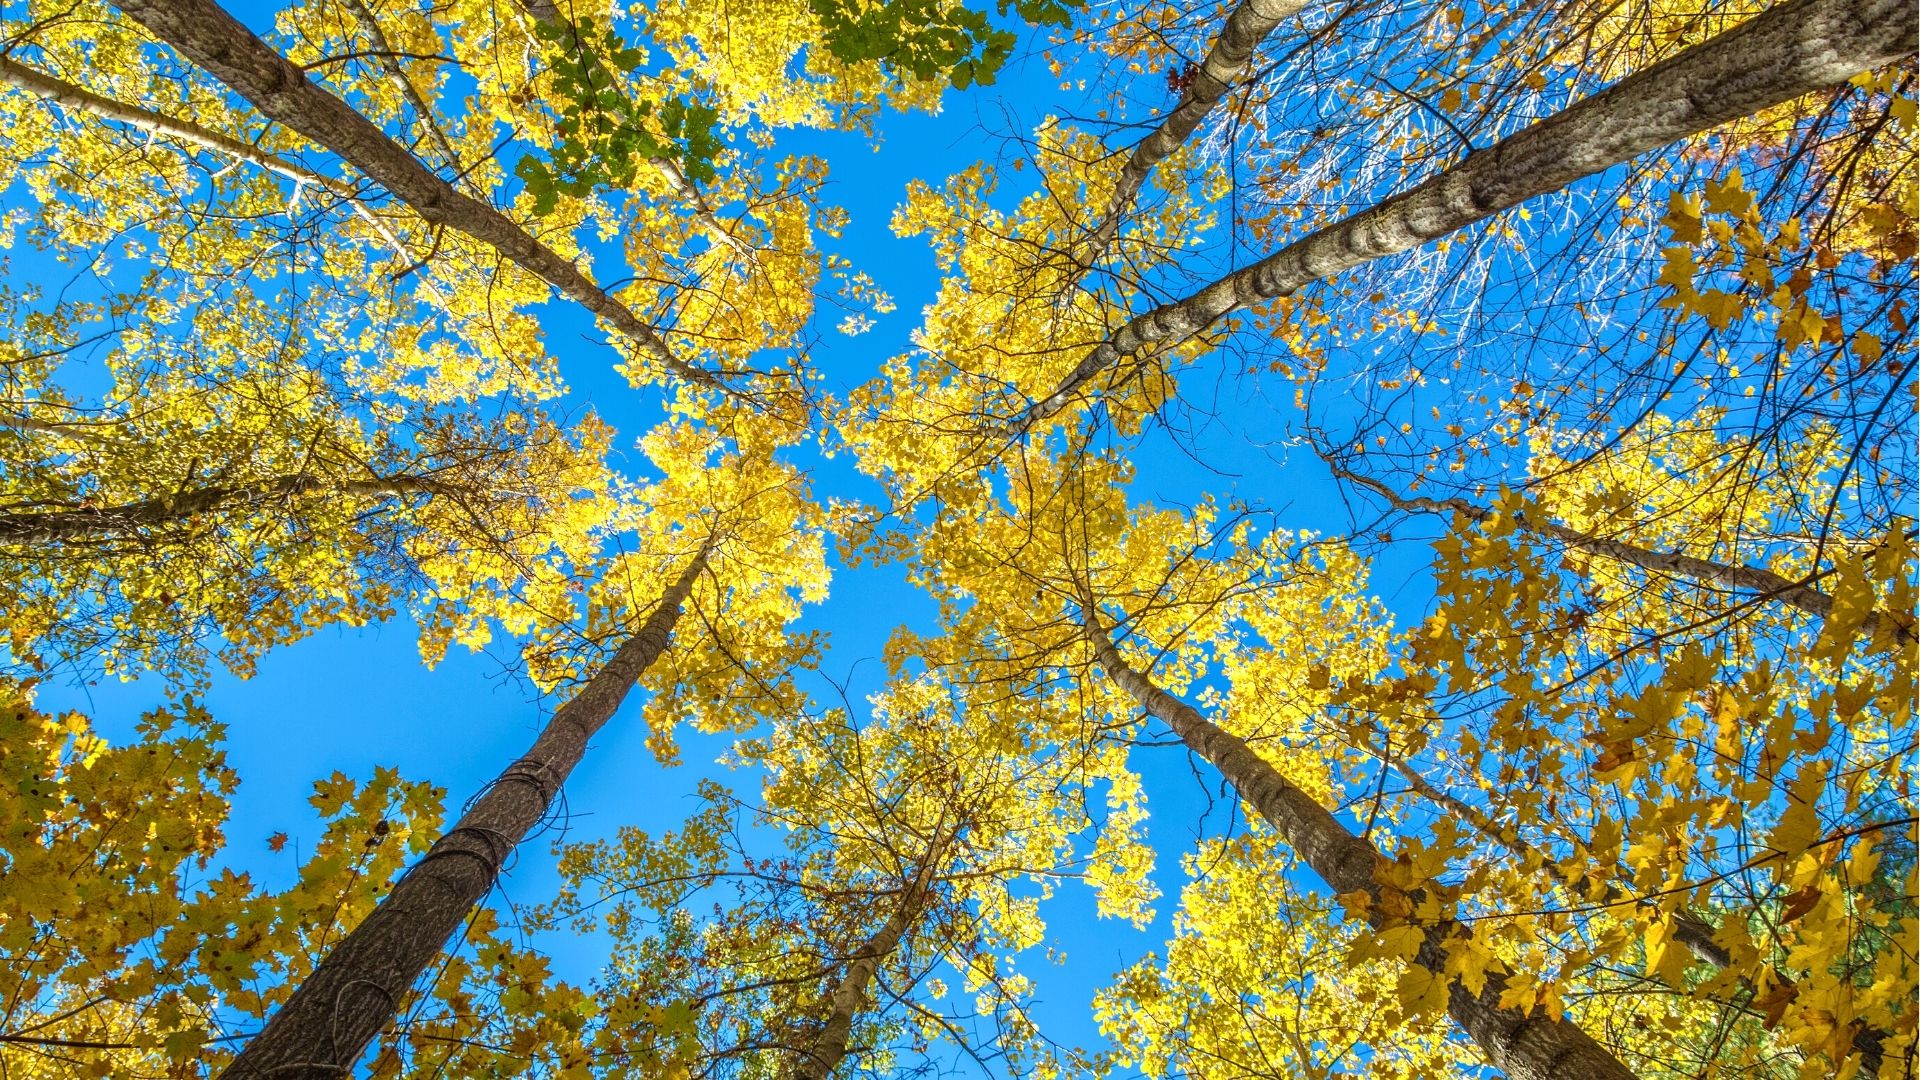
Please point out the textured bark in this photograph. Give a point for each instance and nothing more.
(1226, 61)
(204, 33)
(69, 96)
(1751, 578)
(1524, 1047)
(1795, 48)
(134, 519)
(360, 986)
(849, 994)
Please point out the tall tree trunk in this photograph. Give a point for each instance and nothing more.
(361, 985)
(849, 994)
(1525, 1047)
(1752, 578)
(132, 519)
(206, 34)
(1227, 59)
(1795, 48)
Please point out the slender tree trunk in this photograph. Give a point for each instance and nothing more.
(848, 998)
(1795, 48)
(206, 34)
(396, 74)
(68, 96)
(60, 92)
(361, 985)
(132, 519)
(73, 431)
(1525, 1047)
(1752, 578)
(1226, 61)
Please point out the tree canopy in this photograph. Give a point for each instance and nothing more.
(1385, 536)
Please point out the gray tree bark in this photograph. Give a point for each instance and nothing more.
(1226, 61)
(848, 998)
(361, 985)
(1525, 1047)
(206, 34)
(1795, 48)
(134, 519)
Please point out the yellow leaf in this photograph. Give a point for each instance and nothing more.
(1866, 348)
(1852, 604)
(1678, 271)
(1394, 902)
(1421, 992)
(1658, 938)
(1469, 961)
(1797, 829)
(1728, 196)
(1398, 942)
(1683, 220)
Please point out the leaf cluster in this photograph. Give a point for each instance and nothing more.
(606, 135)
(928, 39)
